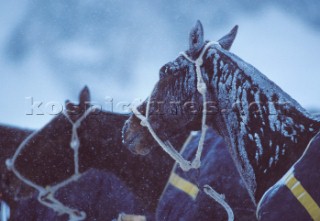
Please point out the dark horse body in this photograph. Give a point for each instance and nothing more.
(280, 203)
(219, 172)
(265, 129)
(47, 158)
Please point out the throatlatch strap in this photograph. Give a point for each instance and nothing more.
(303, 197)
(184, 185)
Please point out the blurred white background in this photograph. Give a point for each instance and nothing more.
(50, 49)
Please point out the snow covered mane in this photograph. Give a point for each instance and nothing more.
(266, 128)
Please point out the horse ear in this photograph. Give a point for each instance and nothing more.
(196, 37)
(227, 41)
(84, 97)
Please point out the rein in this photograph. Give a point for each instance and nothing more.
(46, 194)
(167, 147)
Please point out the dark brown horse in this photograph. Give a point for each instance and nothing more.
(265, 129)
(47, 159)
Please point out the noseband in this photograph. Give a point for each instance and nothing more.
(46, 194)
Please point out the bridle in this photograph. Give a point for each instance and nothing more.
(46, 194)
(202, 89)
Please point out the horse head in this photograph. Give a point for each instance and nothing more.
(174, 104)
(46, 156)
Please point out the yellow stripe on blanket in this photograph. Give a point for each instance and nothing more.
(184, 185)
(303, 197)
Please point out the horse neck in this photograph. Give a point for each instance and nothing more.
(266, 130)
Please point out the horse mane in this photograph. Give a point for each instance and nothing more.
(267, 129)
(267, 86)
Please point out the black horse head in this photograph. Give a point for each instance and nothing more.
(266, 130)
(175, 103)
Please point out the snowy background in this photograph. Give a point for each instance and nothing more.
(50, 49)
